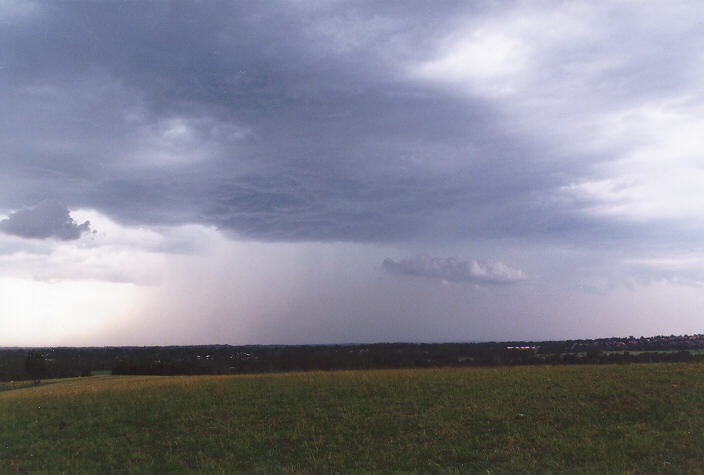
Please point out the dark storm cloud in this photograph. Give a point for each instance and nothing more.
(455, 270)
(288, 121)
(47, 219)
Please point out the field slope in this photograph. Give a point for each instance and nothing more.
(646, 417)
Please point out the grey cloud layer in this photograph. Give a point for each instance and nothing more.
(48, 219)
(280, 122)
(456, 270)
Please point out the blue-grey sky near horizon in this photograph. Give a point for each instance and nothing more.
(327, 171)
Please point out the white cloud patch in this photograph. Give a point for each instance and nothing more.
(604, 85)
(48, 219)
(484, 60)
(114, 253)
(507, 54)
(681, 268)
(660, 175)
(451, 269)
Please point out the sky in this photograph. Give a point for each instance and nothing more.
(292, 172)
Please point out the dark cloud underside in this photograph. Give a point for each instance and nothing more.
(47, 219)
(283, 122)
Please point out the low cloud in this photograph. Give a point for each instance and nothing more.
(48, 219)
(456, 270)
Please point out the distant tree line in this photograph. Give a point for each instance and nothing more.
(225, 359)
(35, 365)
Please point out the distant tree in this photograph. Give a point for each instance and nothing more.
(593, 355)
(35, 365)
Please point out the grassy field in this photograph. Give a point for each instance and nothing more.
(644, 417)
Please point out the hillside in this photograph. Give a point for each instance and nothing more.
(620, 417)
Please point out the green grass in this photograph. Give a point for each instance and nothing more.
(644, 417)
